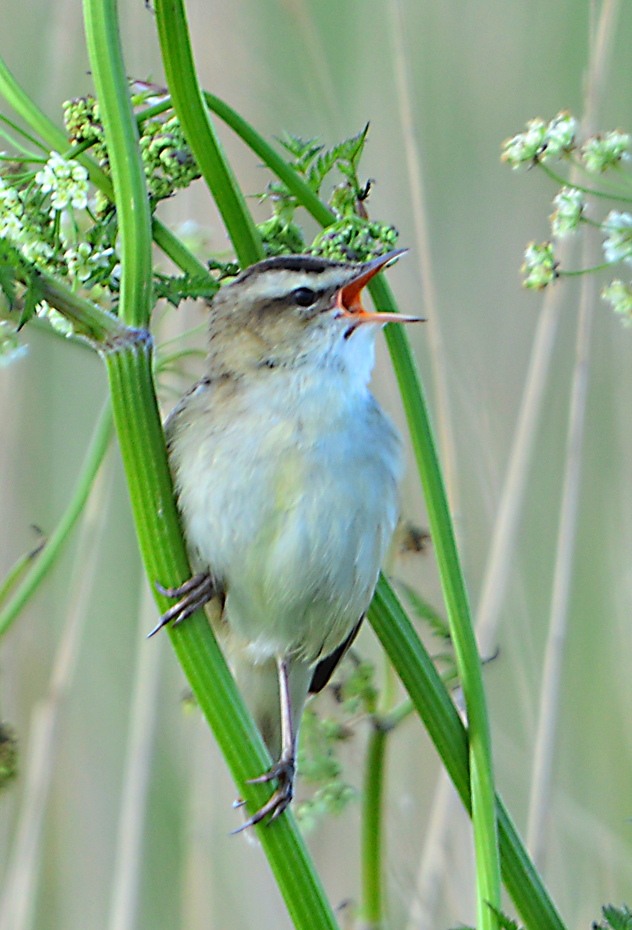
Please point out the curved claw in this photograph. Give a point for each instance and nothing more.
(284, 771)
(193, 594)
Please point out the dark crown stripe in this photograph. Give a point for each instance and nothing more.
(308, 263)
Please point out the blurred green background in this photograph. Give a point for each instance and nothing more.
(121, 814)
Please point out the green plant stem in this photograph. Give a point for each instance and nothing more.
(440, 717)
(96, 452)
(464, 641)
(89, 320)
(128, 177)
(372, 901)
(141, 441)
(191, 110)
(19, 569)
(565, 182)
(143, 452)
(275, 162)
(177, 252)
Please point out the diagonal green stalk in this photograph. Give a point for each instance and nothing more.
(440, 717)
(128, 177)
(94, 457)
(190, 107)
(129, 366)
(468, 661)
(371, 854)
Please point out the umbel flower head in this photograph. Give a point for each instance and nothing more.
(618, 246)
(620, 296)
(569, 205)
(539, 266)
(66, 181)
(602, 152)
(541, 141)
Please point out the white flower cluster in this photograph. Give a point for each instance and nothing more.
(618, 246)
(620, 296)
(83, 261)
(14, 226)
(542, 141)
(601, 152)
(569, 205)
(55, 318)
(539, 266)
(11, 212)
(66, 181)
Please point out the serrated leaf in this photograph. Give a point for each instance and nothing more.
(7, 281)
(617, 918)
(33, 296)
(425, 611)
(504, 921)
(176, 289)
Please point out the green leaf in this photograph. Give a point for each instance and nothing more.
(425, 611)
(176, 289)
(34, 295)
(7, 272)
(617, 918)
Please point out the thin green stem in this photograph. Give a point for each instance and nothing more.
(18, 570)
(440, 717)
(275, 162)
(571, 274)
(464, 641)
(189, 105)
(177, 252)
(372, 877)
(94, 457)
(586, 190)
(128, 177)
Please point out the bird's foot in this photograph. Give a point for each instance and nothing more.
(193, 594)
(284, 771)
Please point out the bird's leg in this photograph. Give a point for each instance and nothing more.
(285, 769)
(193, 594)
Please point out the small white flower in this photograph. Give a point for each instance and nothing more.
(84, 260)
(620, 296)
(559, 138)
(34, 249)
(65, 180)
(525, 146)
(11, 212)
(601, 152)
(618, 246)
(55, 318)
(10, 348)
(539, 265)
(569, 205)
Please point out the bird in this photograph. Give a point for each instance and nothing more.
(287, 477)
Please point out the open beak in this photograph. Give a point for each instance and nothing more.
(349, 301)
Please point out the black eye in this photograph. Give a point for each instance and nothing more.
(304, 296)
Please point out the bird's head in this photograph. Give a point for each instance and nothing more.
(293, 310)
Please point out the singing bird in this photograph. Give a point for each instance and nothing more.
(287, 476)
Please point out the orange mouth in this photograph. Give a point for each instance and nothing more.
(349, 301)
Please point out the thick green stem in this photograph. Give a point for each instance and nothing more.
(194, 118)
(143, 452)
(372, 902)
(54, 544)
